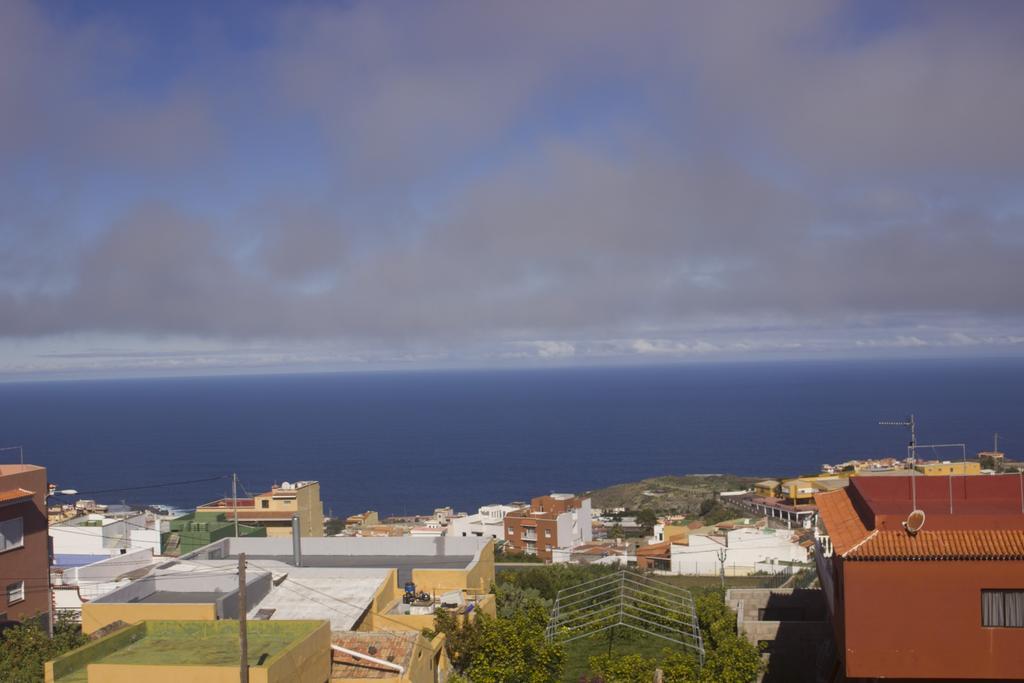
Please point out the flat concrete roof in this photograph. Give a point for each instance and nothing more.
(404, 565)
(178, 597)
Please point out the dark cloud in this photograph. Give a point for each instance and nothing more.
(542, 180)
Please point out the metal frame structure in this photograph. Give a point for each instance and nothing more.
(630, 600)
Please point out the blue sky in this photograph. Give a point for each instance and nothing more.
(248, 187)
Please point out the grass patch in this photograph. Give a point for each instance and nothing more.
(624, 642)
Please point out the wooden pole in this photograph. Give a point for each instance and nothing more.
(234, 498)
(658, 676)
(243, 634)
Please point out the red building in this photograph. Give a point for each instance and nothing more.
(560, 520)
(24, 543)
(943, 602)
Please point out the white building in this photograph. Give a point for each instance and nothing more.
(487, 523)
(76, 585)
(95, 536)
(742, 551)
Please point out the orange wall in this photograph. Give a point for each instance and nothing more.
(923, 619)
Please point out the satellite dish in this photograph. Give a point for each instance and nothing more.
(915, 520)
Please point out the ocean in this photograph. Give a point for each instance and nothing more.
(407, 442)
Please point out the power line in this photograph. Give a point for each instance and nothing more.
(153, 486)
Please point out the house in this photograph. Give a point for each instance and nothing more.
(737, 547)
(665, 531)
(935, 468)
(488, 522)
(90, 537)
(932, 594)
(798, 491)
(363, 519)
(354, 583)
(24, 544)
(274, 509)
(559, 520)
(769, 488)
(74, 586)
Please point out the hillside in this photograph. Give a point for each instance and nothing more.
(682, 495)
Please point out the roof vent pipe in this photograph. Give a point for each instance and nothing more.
(296, 541)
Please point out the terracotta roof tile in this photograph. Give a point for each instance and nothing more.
(843, 524)
(853, 541)
(941, 544)
(393, 647)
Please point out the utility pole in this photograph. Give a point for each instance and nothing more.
(721, 562)
(234, 499)
(243, 633)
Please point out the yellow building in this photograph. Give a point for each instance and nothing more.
(208, 651)
(798, 491)
(769, 488)
(365, 519)
(936, 468)
(272, 510)
(356, 584)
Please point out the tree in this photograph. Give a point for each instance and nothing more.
(502, 650)
(616, 531)
(515, 651)
(26, 647)
(333, 526)
(707, 505)
(647, 519)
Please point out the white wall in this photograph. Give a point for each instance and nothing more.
(487, 523)
(110, 539)
(745, 549)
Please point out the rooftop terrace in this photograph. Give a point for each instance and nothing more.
(183, 644)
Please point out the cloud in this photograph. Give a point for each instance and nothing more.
(553, 182)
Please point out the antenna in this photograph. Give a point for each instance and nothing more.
(911, 451)
(915, 520)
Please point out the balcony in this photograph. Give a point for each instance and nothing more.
(529, 535)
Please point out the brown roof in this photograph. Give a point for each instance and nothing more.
(15, 495)
(852, 540)
(392, 647)
(843, 524)
(942, 544)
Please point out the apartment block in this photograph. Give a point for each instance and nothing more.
(559, 520)
(24, 543)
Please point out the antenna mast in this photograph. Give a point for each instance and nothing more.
(911, 424)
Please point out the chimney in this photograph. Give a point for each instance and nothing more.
(296, 541)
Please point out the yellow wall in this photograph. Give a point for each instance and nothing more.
(940, 468)
(478, 579)
(133, 673)
(96, 615)
(307, 661)
(306, 503)
(676, 532)
(421, 668)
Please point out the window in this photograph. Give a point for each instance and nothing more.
(15, 592)
(12, 534)
(547, 533)
(264, 504)
(548, 547)
(1002, 608)
(511, 531)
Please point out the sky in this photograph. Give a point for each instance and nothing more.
(197, 187)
